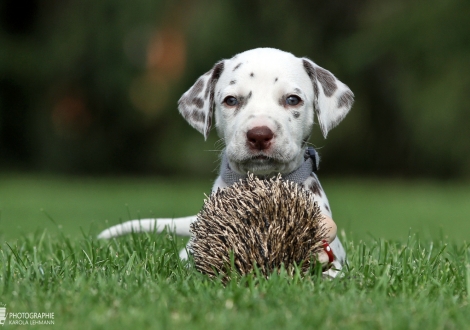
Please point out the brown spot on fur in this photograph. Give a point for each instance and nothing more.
(252, 74)
(209, 92)
(275, 80)
(198, 102)
(311, 73)
(197, 116)
(309, 68)
(218, 69)
(327, 80)
(346, 100)
(327, 208)
(316, 188)
(209, 122)
(233, 82)
(242, 102)
(237, 66)
(197, 88)
(216, 72)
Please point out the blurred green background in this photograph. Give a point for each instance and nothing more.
(88, 89)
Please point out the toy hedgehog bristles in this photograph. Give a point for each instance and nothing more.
(264, 222)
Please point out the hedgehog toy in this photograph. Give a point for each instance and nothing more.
(268, 223)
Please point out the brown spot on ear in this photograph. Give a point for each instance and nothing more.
(216, 72)
(327, 80)
(209, 123)
(198, 102)
(195, 116)
(346, 99)
(218, 69)
(208, 90)
(197, 88)
(209, 93)
(309, 68)
(311, 73)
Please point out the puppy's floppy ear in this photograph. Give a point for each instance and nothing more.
(333, 99)
(196, 104)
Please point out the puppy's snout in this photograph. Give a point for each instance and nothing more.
(259, 137)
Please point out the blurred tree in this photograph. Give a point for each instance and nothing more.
(413, 58)
(91, 87)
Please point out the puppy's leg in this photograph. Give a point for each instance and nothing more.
(340, 259)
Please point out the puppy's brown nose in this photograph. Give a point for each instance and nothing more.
(259, 137)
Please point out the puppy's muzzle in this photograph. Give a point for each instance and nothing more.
(259, 138)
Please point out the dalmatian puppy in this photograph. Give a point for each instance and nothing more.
(264, 101)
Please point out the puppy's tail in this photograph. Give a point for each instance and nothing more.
(179, 225)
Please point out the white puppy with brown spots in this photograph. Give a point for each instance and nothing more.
(264, 102)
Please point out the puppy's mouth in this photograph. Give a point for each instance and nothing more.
(261, 158)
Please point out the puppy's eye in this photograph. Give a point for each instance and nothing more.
(231, 101)
(293, 100)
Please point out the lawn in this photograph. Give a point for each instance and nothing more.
(408, 259)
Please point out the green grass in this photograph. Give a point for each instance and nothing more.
(395, 280)
(138, 282)
(91, 204)
(377, 208)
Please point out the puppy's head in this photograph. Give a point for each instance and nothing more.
(264, 101)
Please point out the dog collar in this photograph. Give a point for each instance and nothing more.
(311, 153)
(299, 175)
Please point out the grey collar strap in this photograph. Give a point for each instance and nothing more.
(299, 175)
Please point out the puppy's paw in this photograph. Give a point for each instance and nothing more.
(324, 260)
